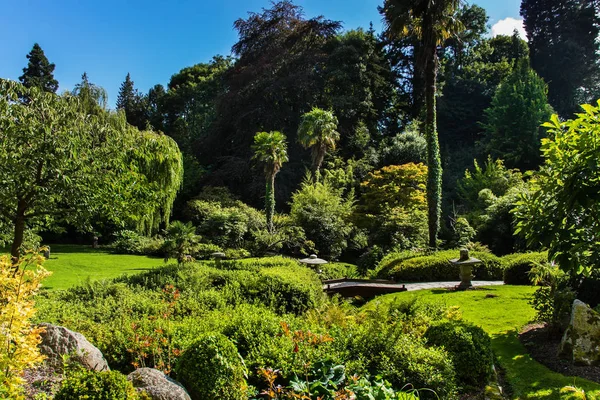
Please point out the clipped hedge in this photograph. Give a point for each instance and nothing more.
(518, 265)
(469, 347)
(436, 267)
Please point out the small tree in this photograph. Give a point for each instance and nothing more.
(318, 131)
(181, 241)
(393, 205)
(270, 149)
(562, 212)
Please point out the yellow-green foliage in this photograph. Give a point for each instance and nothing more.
(18, 338)
(395, 186)
(393, 206)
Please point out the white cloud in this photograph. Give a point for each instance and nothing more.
(507, 26)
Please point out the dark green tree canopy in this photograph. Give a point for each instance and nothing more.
(513, 121)
(133, 103)
(39, 71)
(126, 95)
(563, 42)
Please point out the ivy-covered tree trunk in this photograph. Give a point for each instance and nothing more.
(270, 201)
(317, 160)
(434, 162)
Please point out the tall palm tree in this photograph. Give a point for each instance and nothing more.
(270, 149)
(318, 131)
(431, 22)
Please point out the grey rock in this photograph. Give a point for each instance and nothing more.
(157, 385)
(581, 342)
(59, 341)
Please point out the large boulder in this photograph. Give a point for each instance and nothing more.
(581, 342)
(157, 385)
(59, 341)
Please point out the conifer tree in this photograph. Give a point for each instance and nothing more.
(126, 96)
(39, 71)
(133, 103)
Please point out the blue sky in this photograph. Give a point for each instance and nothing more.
(154, 39)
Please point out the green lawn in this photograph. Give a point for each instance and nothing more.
(501, 311)
(72, 265)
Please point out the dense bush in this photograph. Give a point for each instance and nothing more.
(211, 369)
(496, 224)
(324, 214)
(337, 270)
(106, 385)
(405, 147)
(469, 347)
(386, 341)
(402, 360)
(131, 242)
(517, 267)
(227, 226)
(436, 267)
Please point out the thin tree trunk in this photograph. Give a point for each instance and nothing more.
(270, 201)
(318, 158)
(434, 163)
(19, 230)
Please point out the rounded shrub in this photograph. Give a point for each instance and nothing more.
(469, 347)
(518, 265)
(409, 361)
(106, 385)
(212, 369)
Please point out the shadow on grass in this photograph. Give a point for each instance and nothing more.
(452, 290)
(528, 378)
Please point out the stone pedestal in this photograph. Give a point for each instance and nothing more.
(465, 264)
(466, 275)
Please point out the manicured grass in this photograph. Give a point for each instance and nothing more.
(72, 265)
(501, 311)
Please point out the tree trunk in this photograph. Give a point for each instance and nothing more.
(318, 157)
(19, 231)
(270, 201)
(434, 163)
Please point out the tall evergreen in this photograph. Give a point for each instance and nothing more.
(563, 49)
(126, 97)
(39, 71)
(133, 103)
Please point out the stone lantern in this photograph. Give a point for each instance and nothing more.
(465, 263)
(218, 256)
(313, 261)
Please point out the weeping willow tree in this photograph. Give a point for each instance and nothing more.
(61, 163)
(159, 161)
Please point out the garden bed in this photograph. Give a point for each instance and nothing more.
(543, 347)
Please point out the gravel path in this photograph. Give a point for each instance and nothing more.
(409, 286)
